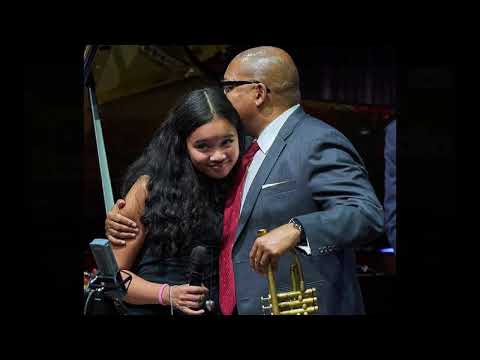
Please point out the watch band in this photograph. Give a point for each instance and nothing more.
(297, 225)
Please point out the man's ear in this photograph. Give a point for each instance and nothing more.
(261, 94)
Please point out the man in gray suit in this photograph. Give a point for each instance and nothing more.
(306, 185)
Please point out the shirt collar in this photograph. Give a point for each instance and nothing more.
(268, 135)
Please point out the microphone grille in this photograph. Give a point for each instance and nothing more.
(199, 255)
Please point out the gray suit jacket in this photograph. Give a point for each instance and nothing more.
(324, 184)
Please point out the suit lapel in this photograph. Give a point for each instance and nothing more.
(266, 167)
(258, 181)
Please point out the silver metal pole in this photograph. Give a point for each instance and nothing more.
(102, 154)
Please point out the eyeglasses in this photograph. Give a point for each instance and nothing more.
(229, 85)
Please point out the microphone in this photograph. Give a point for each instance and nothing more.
(107, 287)
(198, 263)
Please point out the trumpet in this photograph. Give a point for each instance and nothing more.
(297, 301)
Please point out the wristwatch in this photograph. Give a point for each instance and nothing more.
(297, 225)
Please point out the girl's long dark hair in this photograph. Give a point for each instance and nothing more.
(182, 205)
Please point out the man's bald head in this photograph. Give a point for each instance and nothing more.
(274, 67)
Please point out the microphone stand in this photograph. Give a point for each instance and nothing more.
(105, 287)
(101, 287)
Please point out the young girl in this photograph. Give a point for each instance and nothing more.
(176, 191)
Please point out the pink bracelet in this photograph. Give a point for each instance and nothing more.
(160, 294)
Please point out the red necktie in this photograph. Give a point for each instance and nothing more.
(231, 215)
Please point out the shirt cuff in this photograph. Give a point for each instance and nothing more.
(305, 247)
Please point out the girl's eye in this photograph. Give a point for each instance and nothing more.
(201, 146)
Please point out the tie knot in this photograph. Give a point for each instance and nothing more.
(252, 149)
